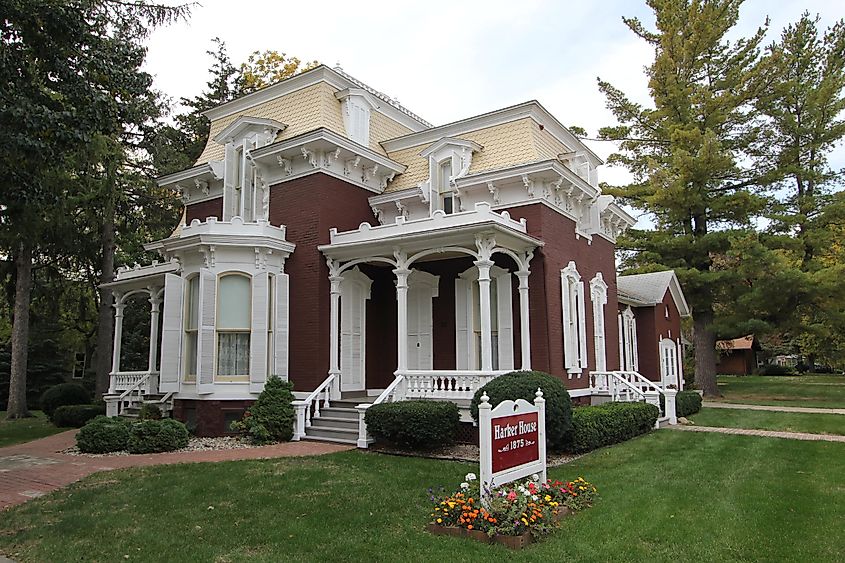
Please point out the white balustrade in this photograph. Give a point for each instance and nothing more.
(310, 407)
(446, 384)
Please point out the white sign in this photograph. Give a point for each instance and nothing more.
(512, 440)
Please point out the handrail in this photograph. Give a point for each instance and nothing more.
(136, 387)
(618, 379)
(389, 391)
(395, 392)
(303, 407)
(640, 378)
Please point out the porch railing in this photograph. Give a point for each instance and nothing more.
(446, 384)
(631, 386)
(310, 406)
(125, 380)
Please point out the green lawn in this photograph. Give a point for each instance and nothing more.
(25, 430)
(763, 420)
(669, 496)
(821, 391)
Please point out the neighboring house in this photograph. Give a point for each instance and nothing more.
(737, 356)
(334, 238)
(650, 341)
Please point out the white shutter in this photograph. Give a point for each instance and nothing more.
(582, 325)
(258, 338)
(415, 303)
(504, 304)
(206, 341)
(171, 334)
(621, 341)
(463, 328)
(634, 353)
(282, 326)
(566, 309)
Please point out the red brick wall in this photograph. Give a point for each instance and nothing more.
(652, 325)
(309, 207)
(208, 417)
(208, 208)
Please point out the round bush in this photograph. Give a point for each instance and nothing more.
(414, 424)
(152, 436)
(524, 385)
(76, 416)
(270, 418)
(687, 403)
(63, 394)
(103, 435)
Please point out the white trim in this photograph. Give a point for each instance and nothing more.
(235, 129)
(598, 296)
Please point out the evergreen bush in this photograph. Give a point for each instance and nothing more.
(153, 436)
(149, 411)
(103, 435)
(63, 394)
(610, 423)
(687, 403)
(76, 416)
(270, 418)
(414, 424)
(524, 385)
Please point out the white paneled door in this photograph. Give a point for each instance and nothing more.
(354, 292)
(668, 363)
(422, 288)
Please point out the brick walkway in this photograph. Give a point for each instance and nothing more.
(810, 410)
(33, 469)
(764, 433)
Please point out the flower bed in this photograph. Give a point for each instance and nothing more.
(514, 514)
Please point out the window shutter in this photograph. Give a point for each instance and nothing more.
(634, 353)
(206, 340)
(505, 315)
(171, 334)
(566, 308)
(282, 326)
(582, 325)
(258, 339)
(463, 332)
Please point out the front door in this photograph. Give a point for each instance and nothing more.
(422, 288)
(668, 363)
(354, 292)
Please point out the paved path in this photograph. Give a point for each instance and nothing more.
(811, 410)
(35, 468)
(764, 433)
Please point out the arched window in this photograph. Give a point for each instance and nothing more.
(598, 295)
(192, 324)
(234, 305)
(574, 334)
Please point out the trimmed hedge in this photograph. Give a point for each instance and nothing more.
(76, 416)
(524, 385)
(63, 394)
(610, 423)
(414, 424)
(774, 369)
(153, 436)
(687, 403)
(103, 435)
(270, 418)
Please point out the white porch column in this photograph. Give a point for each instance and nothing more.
(402, 317)
(118, 336)
(334, 364)
(484, 306)
(155, 307)
(524, 327)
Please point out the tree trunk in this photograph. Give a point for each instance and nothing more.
(20, 333)
(705, 353)
(105, 313)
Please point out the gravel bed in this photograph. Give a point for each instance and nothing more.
(194, 445)
(461, 452)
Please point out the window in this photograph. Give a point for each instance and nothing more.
(598, 294)
(234, 303)
(628, 359)
(494, 322)
(244, 199)
(192, 305)
(574, 336)
(446, 197)
(271, 319)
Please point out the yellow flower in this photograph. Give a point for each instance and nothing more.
(440, 520)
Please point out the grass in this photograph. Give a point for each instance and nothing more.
(25, 429)
(667, 496)
(820, 391)
(764, 420)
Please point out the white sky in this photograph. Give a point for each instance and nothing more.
(447, 60)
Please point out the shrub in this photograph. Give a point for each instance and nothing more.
(149, 411)
(414, 424)
(63, 394)
(270, 418)
(774, 369)
(610, 423)
(103, 435)
(687, 403)
(152, 436)
(76, 416)
(524, 385)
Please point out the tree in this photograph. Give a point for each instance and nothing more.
(694, 155)
(69, 74)
(262, 69)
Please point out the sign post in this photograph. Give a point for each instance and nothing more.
(512, 440)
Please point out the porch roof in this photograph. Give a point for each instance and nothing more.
(137, 278)
(440, 232)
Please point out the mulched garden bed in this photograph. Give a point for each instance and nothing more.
(460, 452)
(194, 445)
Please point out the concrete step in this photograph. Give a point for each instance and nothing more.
(332, 433)
(350, 403)
(337, 412)
(334, 422)
(332, 440)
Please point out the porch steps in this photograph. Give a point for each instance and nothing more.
(338, 423)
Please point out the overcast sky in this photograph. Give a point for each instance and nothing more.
(447, 60)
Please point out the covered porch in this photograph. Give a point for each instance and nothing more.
(451, 297)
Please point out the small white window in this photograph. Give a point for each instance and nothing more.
(574, 336)
(192, 306)
(234, 305)
(445, 193)
(598, 294)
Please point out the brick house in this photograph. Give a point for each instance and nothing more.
(334, 238)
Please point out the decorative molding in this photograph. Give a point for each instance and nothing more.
(494, 191)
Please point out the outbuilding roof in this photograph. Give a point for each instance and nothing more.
(648, 289)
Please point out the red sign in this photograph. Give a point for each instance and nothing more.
(515, 440)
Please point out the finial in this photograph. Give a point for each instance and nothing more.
(538, 394)
(484, 397)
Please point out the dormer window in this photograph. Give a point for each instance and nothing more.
(357, 104)
(446, 197)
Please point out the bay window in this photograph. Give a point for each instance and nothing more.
(234, 304)
(192, 313)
